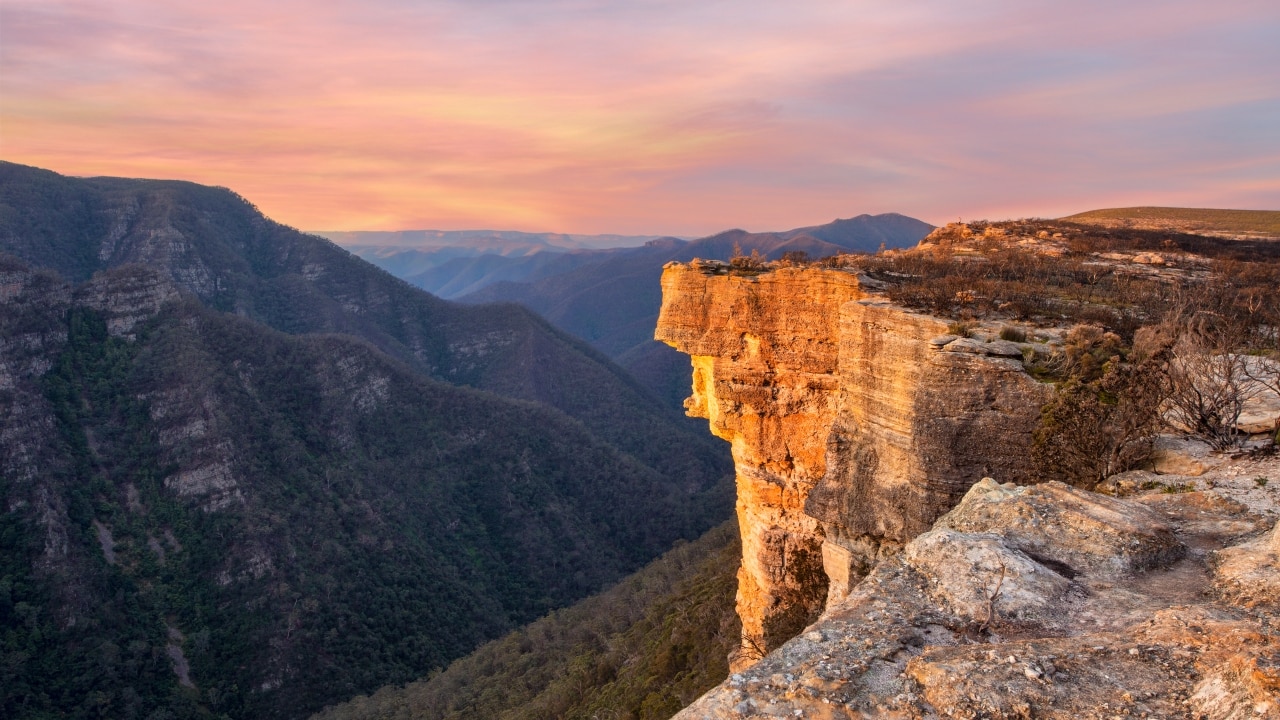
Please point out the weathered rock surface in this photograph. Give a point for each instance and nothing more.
(1082, 532)
(917, 425)
(969, 624)
(1174, 455)
(127, 296)
(854, 425)
(1249, 574)
(766, 354)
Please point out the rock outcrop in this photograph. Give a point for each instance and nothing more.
(854, 425)
(1045, 602)
(766, 360)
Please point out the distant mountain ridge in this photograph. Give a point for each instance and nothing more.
(863, 233)
(611, 298)
(467, 260)
(419, 239)
(452, 264)
(459, 276)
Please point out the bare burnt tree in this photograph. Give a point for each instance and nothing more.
(1208, 381)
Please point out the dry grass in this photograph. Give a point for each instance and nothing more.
(1260, 222)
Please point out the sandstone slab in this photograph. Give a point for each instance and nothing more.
(1182, 456)
(1072, 529)
(981, 578)
(1249, 574)
(913, 639)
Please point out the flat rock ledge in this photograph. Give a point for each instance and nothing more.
(1045, 601)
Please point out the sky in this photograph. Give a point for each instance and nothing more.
(653, 116)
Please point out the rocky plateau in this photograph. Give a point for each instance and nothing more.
(1047, 601)
(898, 558)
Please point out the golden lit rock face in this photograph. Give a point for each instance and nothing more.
(853, 427)
(765, 358)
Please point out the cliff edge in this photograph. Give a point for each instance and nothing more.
(854, 425)
(897, 560)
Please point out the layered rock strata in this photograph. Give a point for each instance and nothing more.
(854, 425)
(766, 359)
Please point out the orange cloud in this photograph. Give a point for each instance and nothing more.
(652, 116)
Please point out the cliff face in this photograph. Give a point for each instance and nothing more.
(922, 416)
(854, 425)
(766, 356)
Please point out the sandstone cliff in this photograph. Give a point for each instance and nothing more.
(854, 425)
(883, 498)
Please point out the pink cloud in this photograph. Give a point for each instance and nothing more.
(652, 116)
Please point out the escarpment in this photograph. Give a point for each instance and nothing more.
(854, 425)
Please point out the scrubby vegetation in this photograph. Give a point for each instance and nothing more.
(1104, 418)
(642, 650)
(1053, 272)
(1152, 330)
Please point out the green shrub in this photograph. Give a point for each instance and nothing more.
(1095, 428)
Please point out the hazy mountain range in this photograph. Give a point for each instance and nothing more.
(452, 264)
(408, 252)
(610, 297)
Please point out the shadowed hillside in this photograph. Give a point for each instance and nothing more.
(214, 244)
(249, 474)
(642, 650)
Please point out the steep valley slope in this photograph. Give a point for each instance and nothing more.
(643, 649)
(246, 474)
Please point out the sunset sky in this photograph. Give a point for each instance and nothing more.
(653, 116)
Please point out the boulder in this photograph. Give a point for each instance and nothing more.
(1072, 530)
(1182, 456)
(979, 577)
(1247, 574)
